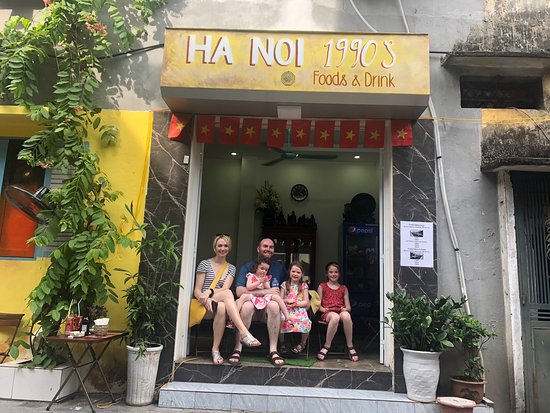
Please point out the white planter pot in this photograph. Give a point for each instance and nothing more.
(421, 370)
(142, 375)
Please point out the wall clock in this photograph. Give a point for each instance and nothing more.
(299, 192)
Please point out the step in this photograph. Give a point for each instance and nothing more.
(252, 398)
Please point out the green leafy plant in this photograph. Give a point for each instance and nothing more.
(268, 200)
(420, 324)
(52, 68)
(473, 335)
(152, 294)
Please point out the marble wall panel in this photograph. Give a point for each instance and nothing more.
(284, 376)
(414, 199)
(166, 201)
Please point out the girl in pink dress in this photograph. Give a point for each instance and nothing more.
(259, 280)
(295, 294)
(335, 308)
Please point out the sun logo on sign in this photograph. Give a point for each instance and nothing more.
(288, 78)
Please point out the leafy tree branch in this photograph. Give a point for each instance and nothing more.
(72, 37)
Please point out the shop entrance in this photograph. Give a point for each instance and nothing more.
(334, 217)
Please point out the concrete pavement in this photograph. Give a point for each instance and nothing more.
(80, 404)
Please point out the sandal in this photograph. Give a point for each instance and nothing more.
(250, 341)
(235, 358)
(274, 357)
(217, 358)
(298, 349)
(352, 354)
(323, 354)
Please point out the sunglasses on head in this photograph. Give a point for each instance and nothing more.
(222, 235)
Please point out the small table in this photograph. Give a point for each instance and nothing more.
(89, 342)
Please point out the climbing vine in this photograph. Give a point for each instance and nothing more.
(72, 38)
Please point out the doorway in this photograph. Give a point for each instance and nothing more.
(532, 219)
(232, 174)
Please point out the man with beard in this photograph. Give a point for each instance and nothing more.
(265, 249)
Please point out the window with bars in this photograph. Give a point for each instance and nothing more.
(501, 92)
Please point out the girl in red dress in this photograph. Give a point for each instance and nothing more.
(335, 308)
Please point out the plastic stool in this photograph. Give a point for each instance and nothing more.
(456, 405)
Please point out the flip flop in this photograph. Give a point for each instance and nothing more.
(235, 358)
(273, 357)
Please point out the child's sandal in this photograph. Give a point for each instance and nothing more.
(323, 353)
(352, 354)
(298, 349)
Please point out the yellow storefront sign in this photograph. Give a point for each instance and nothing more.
(372, 63)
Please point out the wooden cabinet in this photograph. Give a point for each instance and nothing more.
(295, 243)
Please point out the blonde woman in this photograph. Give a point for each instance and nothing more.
(218, 299)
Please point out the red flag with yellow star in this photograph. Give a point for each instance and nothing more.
(178, 122)
(276, 133)
(401, 133)
(204, 128)
(374, 133)
(324, 134)
(229, 130)
(299, 132)
(250, 132)
(349, 133)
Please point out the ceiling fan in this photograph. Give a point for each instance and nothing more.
(287, 154)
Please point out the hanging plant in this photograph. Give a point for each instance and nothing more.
(74, 37)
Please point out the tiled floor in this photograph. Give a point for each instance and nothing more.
(367, 362)
(367, 348)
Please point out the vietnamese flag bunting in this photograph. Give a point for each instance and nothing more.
(276, 133)
(374, 133)
(401, 133)
(299, 132)
(324, 134)
(349, 133)
(250, 133)
(229, 130)
(178, 122)
(204, 128)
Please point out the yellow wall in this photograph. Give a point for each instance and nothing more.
(126, 165)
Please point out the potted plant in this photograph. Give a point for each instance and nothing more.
(423, 330)
(473, 335)
(149, 298)
(268, 202)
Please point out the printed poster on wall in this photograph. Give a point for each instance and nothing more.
(417, 244)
